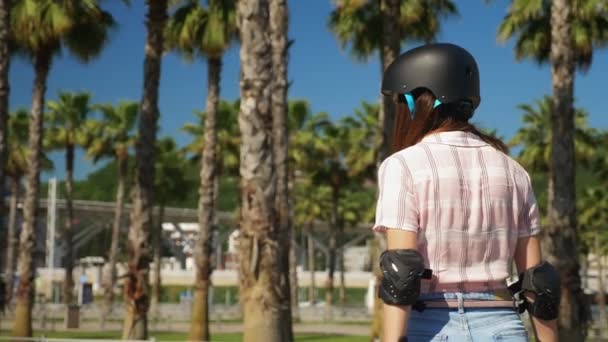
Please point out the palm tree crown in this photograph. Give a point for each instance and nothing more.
(528, 21)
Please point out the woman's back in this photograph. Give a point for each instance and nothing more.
(468, 202)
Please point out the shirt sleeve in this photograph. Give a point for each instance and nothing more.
(396, 207)
(529, 217)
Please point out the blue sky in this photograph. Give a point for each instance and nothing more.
(320, 71)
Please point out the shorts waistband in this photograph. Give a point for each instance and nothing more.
(465, 296)
(461, 300)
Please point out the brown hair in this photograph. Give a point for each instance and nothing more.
(447, 117)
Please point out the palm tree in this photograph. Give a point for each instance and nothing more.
(66, 119)
(328, 147)
(565, 33)
(311, 203)
(228, 139)
(309, 199)
(40, 29)
(194, 30)
(529, 21)
(279, 25)
(113, 137)
(15, 168)
(170, 182)
(593, 218)
(136, 285)
(535, 136)
(361, 153)
(5, 8)
(260, 270)
(370, 27)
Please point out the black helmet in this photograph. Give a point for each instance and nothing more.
(447, 70)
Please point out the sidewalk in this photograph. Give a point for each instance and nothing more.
(319, 328)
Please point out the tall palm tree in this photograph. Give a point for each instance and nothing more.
(593, 218)
(326, 151)
(564, 33)
(194, 30)
(309, 199)
(67, 116)
(15, 168)
(279, 26)
(370, 27)
(113, 137)
(136, 286)
(5, 8)
(298, 113)
(41, 28)
(170, 182)
(260, 270)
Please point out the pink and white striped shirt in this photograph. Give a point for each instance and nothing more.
(468, 202)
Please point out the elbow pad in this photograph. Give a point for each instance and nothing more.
(544, 282)
(402, 270)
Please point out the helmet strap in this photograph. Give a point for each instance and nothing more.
(411, 103)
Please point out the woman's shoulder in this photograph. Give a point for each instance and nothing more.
(410, 153)
(518, 171)
(407, 158)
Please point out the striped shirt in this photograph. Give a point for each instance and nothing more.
(468, 203)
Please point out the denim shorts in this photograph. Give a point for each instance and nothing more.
(465, 324)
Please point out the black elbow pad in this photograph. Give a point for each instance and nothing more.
(402, 270)
(544, 282)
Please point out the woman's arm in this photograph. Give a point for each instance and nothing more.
(527, 255)
(395, 317)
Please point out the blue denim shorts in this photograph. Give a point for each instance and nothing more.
(465, 323)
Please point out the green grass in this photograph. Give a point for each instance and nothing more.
(223, 294)
(174, 336)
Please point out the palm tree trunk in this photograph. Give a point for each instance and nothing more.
(199, 329)
(311, 268)
(136, 286)
(279, 21)
(68, 282)
(259, 252)
(342, 294)
(329, 286)
(110, 276)
(561, 244)
(22, 326)
(378, 245)
(293, 260)
(389, 51)
(601, 298)
(157, 245)
(12, 239)
(4, 94)
(293, 276)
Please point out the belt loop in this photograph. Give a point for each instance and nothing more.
(460, 302)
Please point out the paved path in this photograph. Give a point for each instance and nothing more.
(350, 329)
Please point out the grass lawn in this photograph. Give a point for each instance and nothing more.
(174, 336)
(229, 294)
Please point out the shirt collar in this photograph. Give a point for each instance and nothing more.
(455, 138)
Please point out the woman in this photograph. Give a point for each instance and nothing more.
(452, 201)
